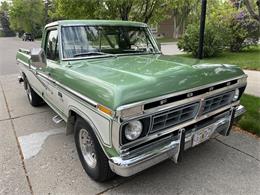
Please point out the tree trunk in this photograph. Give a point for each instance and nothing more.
(174, 26)
(251, 11)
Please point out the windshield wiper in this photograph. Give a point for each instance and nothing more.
(91, 53)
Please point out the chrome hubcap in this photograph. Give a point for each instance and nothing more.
(87, 147)
(29, 93)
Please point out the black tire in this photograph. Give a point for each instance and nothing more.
(100, 171)
(34, 99)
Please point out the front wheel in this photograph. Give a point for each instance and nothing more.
(91, 155)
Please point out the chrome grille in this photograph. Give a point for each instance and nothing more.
(174, 117)
(213, 103)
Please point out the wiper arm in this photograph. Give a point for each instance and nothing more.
(92, 53)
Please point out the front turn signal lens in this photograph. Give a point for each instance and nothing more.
(242, 80)
(105, 110)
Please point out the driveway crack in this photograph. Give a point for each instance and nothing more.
(17, 142)
(115, 186)
(17, 117)
(237, 149)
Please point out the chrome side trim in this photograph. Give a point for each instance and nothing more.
(77, 94)
(93, 103)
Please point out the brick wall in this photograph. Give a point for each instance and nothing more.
(166, 28)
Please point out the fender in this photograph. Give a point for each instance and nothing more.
(72, 114)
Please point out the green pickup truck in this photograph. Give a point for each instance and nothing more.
(128, 106)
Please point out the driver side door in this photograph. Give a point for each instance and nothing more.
(49, 74)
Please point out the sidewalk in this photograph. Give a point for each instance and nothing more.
(170, 48)
(253, 82)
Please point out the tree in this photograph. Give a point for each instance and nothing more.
(213, 41)
(250, 8)
(76, 9)
(148, 11)
(4, 6)
(27, 16)
(114, 9)
(151, 11)
(181, 13)
(226, 27)
(4, 19)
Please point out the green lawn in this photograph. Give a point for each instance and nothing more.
(246, 59)
(251, 119)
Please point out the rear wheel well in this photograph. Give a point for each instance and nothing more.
(24, 81)
(71, 122)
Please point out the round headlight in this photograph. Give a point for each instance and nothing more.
(236, 95)
(133, 130)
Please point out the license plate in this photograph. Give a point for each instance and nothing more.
(202, 135)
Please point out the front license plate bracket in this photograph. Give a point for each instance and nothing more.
(202, 135)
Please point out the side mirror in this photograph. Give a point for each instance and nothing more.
(38, 58)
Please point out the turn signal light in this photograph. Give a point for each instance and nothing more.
(105, 110)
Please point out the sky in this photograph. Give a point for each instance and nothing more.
(5, 0)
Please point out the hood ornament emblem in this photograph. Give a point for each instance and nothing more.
(163, 101)
(189, 95)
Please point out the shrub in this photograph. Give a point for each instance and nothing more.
(226, 27)
(244, 31)
(213, 42)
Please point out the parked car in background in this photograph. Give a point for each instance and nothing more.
(27, 37)
(128, 106)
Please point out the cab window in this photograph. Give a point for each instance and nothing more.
(52, 47)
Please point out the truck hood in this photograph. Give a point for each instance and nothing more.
(113, 82)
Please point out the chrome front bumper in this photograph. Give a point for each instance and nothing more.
(240, 110)
(168, 147)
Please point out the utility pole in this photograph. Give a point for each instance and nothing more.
(46, 7)
(202, 27)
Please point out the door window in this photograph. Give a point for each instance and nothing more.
(52, 47)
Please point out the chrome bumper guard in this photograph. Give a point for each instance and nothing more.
(240, 110)
(169, 147)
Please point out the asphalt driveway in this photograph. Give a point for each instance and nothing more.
(36, 156)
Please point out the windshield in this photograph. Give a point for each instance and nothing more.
(78, 41)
